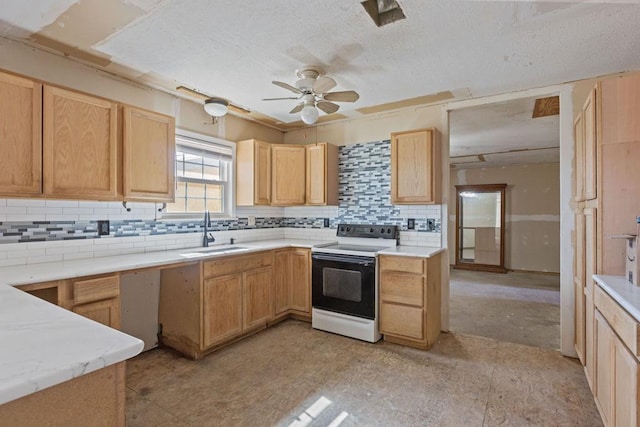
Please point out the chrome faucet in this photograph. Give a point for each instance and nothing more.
(206, 236)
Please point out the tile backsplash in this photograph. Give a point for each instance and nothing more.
(45, 229)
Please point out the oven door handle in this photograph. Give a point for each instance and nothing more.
(351, 259)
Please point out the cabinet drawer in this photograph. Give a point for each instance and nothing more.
(402, 263)
(402, 321)
(96, 289)
(236, 264)
(402, 288)
(622, 323)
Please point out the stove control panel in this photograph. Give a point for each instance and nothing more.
(363, 230)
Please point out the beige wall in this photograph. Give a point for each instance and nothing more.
(18, 58)
(532, 223)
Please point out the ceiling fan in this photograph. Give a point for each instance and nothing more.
(313, 89)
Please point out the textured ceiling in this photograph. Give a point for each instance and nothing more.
(503, 133)
(234, 49)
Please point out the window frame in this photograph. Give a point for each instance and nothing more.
(229, 189)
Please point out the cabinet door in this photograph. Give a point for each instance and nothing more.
(589, 339)
(106, 312)
(148, 150)
(288, 175)
(301, 280)
(262, 173)
(604, 339)
(80, 146)
(316, 174)
(625, 387)
(590, 147)
(222, 308)
(412, 167)
(258, 297)
(21, 133)
(590, 246)
(578, 133)
(282, 280)
(579, 335)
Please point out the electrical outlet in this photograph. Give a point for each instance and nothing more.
(103, 228)
(431, 224)
(251, 221)
(326, 223)
(411, 224)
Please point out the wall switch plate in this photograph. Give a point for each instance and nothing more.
(251, 221)
(326, 223)
(411, 224)
(431, 224)
(103, 228)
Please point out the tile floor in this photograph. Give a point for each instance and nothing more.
(516, 307)
(291, 374)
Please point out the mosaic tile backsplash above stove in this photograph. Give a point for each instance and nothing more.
(364, 198)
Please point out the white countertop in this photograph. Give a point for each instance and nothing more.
(42, 345)
(417, 251)
(47, 271)
(622, 291)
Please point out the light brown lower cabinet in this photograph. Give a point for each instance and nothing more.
(207, 304)
(292, 281)
(222, 304)
(257, 306)
(97, 298)
(97, 398)
(410, 300)
(616, 365)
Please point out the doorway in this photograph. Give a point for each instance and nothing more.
(517, 296)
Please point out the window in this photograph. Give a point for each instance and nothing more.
(204, 171)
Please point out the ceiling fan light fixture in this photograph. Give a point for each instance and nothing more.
(216, 107)
(309, 114)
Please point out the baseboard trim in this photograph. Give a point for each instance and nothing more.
(550, 273)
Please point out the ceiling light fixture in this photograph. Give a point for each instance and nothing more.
(216, 107)
(309, 113)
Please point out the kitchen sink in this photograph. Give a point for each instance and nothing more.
(214, 250)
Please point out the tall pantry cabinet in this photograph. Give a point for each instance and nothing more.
(606, 203)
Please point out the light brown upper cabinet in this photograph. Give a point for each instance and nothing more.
(288, 174)
(253, 173)
(148, 156)
(322, 174)
(21, 130)
(416, 166)
(80, 155)
(590, 146)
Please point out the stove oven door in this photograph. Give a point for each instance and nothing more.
(344, 284)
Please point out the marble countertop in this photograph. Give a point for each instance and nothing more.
(43, 345)
(622, 291)
(47, 271)
(416, 251)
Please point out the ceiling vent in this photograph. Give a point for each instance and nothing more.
(383, 12)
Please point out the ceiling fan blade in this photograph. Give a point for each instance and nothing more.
(328, 107)
(279, 99)
(287, 86)
(346, 96)
(324, 84)
(297, 108)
